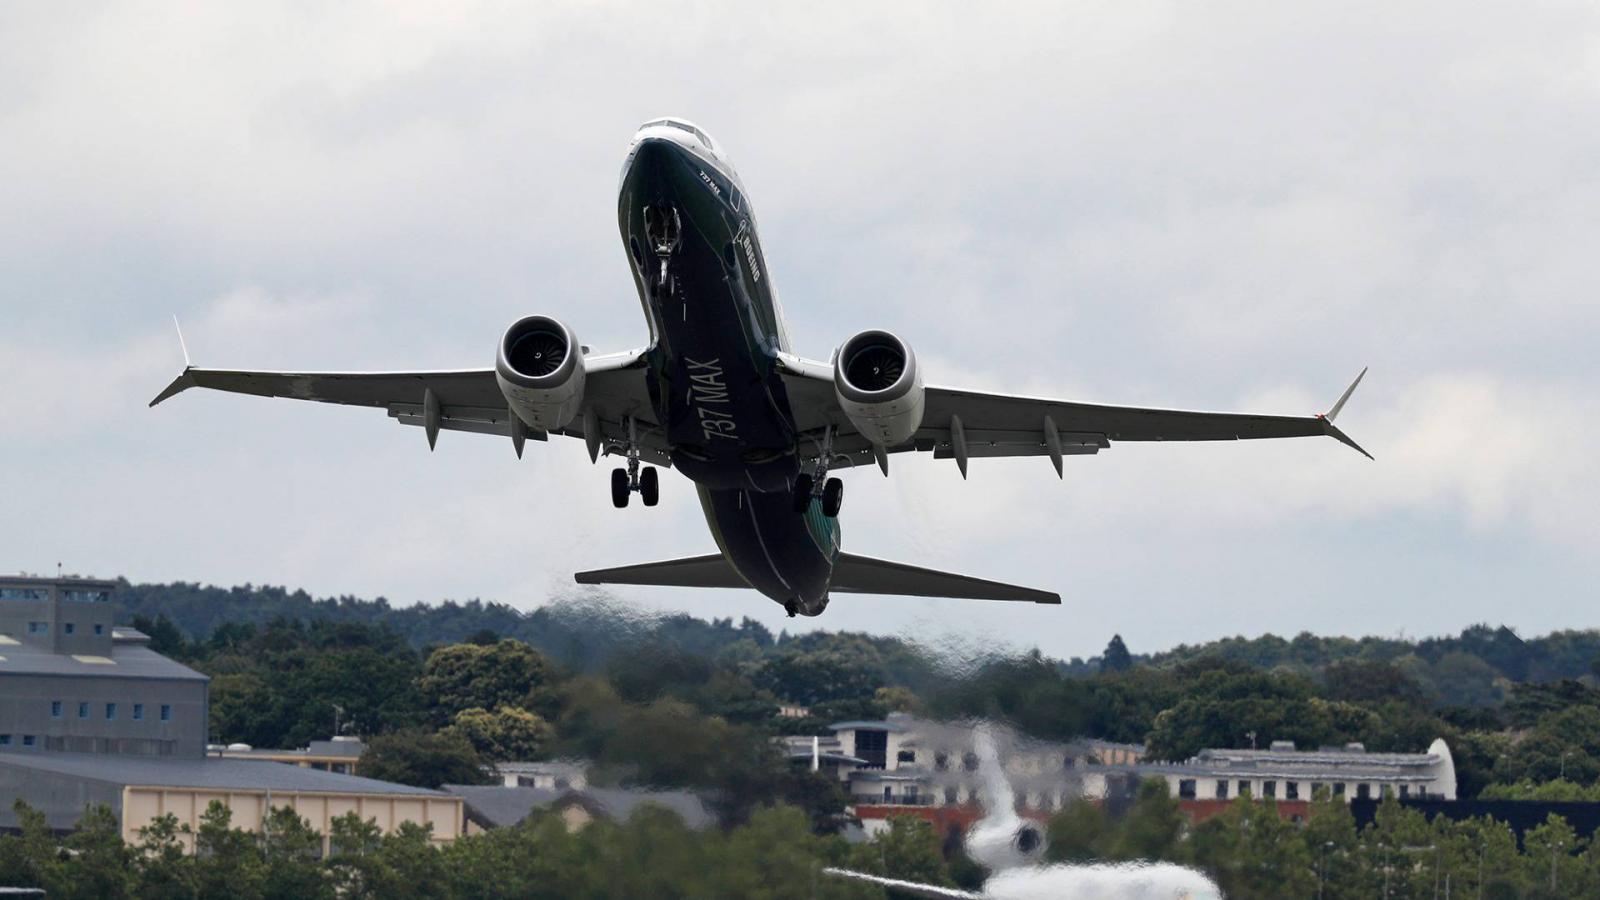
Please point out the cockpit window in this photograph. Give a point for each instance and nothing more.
(701, 136)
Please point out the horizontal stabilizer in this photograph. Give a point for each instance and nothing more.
(696, 571)
(913, 888)
(851, 575)
(865, 575)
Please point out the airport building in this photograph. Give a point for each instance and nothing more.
(90, 715)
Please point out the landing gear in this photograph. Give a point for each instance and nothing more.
(800, 496)
(832, 497)
(816, 483)
(634, 477)
(664, 229)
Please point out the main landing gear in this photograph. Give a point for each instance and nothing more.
(817, 484)
(635, 477)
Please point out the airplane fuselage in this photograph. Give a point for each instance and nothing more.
(716, 328)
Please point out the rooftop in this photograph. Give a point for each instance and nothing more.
(506, 806)
(208, 772)
(130, 659)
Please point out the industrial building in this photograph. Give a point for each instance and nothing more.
(90, 715)
(498, 806)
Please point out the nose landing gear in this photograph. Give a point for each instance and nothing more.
(664, 229)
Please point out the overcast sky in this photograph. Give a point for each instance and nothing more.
(1219, 206)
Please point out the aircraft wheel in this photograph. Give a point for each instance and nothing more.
(800, 498)
(791, 607)
(649, 486)
(619, 488)
(832, 497)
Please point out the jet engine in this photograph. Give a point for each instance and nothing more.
(1006, 843)
(540, 371)
(879, 388)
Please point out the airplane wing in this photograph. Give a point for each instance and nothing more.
(467, 399)
(914, 888)
(963, 424)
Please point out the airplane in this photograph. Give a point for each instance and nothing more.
(718, 394)
(1012, 847)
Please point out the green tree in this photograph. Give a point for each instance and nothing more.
(163, 867)
(1152, 827)
(291, 848)
(470, 676)
(507, 734)
(37, 855)
(423, 759)
(1078, 833)
(99, 862)
(1253, 853)
(227, 860)
(1116, 657)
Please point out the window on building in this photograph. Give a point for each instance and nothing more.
(99, 629)
(1388, 790)
(111, 711)
(950, 795)
(969, 762)
(941, 761)
(1422, 792)
(1244, 788)
(1316, 788)
(55, 709)
(69, 628)
(906, 756)
(83, 710)
(910, 795)
(166, 712)
(872, 745)
(38, 627)
(1363, 792)
(1338, 789)
(138, 712)
(887, 794)
(1269, 789)
(1186, 788)
(1405, 791)
(5, 740)
(1291, 790)
(27, 740)
(1222, 788)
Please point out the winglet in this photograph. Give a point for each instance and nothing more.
(184, 381)
(1331, 429)
(1334, 413)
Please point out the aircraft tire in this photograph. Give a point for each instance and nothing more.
(619, 488)
(832, 497)
(800, 498)
(650, 486)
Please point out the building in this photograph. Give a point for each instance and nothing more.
(908, 765)
(551, 775)
(342, 754)
(138, 789)
(90, 715)
(498, 806)
(71, 680)
(1288, 775)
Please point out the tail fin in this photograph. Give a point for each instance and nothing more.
(851, 575)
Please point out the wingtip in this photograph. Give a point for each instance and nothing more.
(1334, 432)
(1345, 397)
(182, 383)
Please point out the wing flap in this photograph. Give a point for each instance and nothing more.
(864, 575)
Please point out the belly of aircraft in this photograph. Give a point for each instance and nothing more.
(784, 555)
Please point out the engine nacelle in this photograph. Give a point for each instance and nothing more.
(879, 387)
(540, 371)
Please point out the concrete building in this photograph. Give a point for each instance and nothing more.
(138, 789)
(550, 775)
(90, 715)
(71, 680)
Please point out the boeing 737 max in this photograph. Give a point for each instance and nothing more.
(719, 395)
